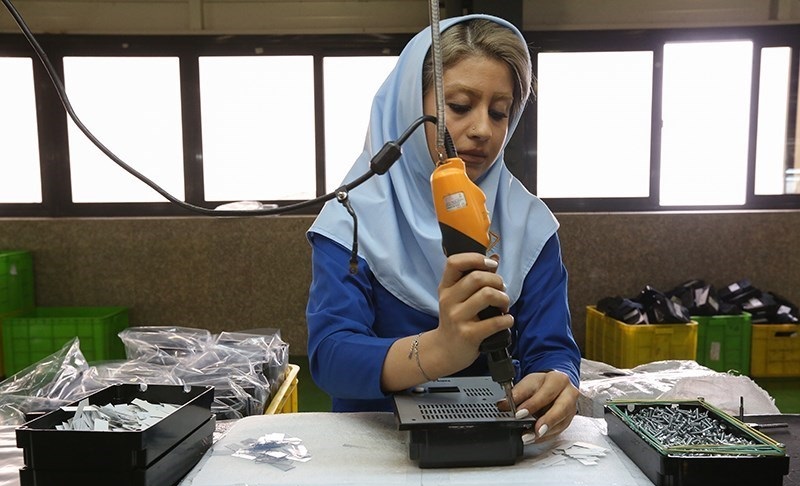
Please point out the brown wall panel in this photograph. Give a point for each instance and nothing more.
(239, 273)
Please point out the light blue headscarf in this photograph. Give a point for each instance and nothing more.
(398, 232)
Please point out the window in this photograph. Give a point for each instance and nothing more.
(645, 120)
(19, 141)
(347, 106)
(772, 174)
(705, 123)
(594, 124)
(659, 120)
(211, 120)
(132, 105)
(257, 117)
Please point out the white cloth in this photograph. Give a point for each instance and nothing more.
(670, 380)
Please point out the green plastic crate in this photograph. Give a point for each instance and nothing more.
(723, 342)
(16, 281)
(3, 317)
(33, 336)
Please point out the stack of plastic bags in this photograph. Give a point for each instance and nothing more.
(245, 368)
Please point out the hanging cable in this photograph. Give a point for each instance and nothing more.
(344, 199)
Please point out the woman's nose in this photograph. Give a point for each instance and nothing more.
(480, 128)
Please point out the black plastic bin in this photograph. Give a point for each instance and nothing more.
(159, 455)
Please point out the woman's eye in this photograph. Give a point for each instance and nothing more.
(498, 115)
(460, 109)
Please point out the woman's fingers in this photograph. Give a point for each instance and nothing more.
(462, 263)
(469, 278)
(550, 397)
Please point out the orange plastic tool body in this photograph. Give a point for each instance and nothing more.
(460, 208)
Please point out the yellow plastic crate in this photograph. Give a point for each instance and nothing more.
(628, 345)
(285, 399)
(775, 350)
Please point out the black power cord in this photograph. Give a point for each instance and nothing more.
(379, 163)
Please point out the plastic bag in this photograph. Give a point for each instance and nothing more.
(164, 345)
(44, 385)
(666, 380)
(246, 369)
(132, 371)
(53, 377)
(265, 350)
(725, 391)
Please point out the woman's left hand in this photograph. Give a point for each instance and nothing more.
(550, 397)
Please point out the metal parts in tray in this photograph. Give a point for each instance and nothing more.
(692, 443)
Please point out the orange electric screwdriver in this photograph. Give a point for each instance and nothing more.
(464, 222)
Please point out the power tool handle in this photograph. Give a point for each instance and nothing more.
(454, 242)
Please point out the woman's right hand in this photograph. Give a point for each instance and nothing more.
(469, 285)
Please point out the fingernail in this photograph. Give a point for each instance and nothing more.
(490, 263)
(528, 438)
(542, 430)
(522, 413)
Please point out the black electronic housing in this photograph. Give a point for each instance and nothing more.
(455, 422)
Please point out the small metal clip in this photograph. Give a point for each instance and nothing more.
(493, 239)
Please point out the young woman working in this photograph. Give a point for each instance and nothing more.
(409, 314)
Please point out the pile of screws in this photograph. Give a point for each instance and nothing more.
(675, 426)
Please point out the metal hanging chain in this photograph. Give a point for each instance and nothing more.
(436, 51)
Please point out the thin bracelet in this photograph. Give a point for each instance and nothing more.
(415, 352)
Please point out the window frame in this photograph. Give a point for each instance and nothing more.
(521, 154)
(654, 40)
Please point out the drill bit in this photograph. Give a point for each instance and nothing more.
(507, 387)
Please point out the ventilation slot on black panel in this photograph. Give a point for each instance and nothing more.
(477, 392)
(459, 411)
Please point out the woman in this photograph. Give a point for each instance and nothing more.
(409, 314)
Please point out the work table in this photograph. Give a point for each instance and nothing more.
(368, 449)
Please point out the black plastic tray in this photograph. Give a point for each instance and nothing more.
(167, 471)
(45, 447)
(665, 467)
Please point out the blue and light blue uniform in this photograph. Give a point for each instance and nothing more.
(354, 319)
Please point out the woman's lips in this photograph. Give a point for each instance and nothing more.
(473, 158)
